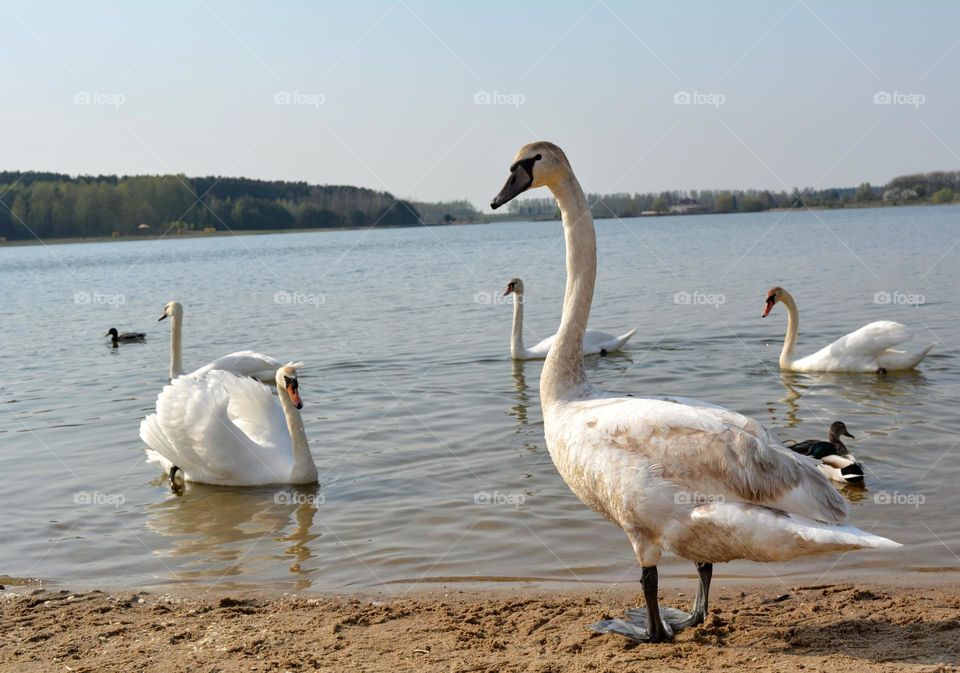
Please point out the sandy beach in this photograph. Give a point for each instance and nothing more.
(820, 627)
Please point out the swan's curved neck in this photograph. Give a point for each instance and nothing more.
(304, 469)
(176, 347)
(516, 338)
(793, 327)
(563, 375)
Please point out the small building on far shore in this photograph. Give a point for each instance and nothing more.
(687, 207)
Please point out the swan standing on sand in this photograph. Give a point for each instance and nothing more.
(594, 341)
(242, 363)
(835, 460)
(681, 476)
(225, 429)
(869, 349)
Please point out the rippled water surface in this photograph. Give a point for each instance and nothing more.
(428, 438)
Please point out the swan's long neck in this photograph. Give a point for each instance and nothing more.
(793, 327)
(176, 347)
(563, 375)
(304, 470)
(516, 338)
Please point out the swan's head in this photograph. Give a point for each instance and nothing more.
(112, 333)
(838, 429)
(515, 286)
(287, 381)
(171, 310)
(538, 164)
(774, 295)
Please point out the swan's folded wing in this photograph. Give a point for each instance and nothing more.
(871, 340)
(228, 426)
(717, 453)
(243, 363)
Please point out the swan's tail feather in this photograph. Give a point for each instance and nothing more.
(764, 534)
(160, 451)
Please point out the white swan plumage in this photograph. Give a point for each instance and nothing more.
(677, 475)
(220, 428)
(872, 348)
(594, 341)
(242, 363)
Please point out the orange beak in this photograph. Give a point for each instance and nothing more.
(769, 307)
(294, 396)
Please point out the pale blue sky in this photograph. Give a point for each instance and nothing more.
(397, 82)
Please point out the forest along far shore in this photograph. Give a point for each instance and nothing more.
(54, 207)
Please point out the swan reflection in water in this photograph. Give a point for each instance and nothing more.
(238, 533)
(871, 392)
(523, 397)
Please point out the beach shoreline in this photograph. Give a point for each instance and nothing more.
(792, 626)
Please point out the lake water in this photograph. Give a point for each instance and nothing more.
(428, 438)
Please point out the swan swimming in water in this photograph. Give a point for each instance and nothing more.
(677, 475)
(242, 363)
(869, 349)
(220, 428)
(594, 341)
(835, 460)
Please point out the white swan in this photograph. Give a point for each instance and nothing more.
(869, 349)
(594, 341)
(677, 475)
(242, 363)
(225, 429)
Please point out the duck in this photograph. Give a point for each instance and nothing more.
(595, 342)
(229, 430)
(835, 460)
(242, 363)
(869, 349)
(124, 337)
(677, 475)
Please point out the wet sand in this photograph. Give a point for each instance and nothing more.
(803, 627)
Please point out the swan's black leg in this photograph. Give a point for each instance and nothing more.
(644, 625)
(603, 352)
(176, 480)
(655, 624)
(658, 632)
(700, 605)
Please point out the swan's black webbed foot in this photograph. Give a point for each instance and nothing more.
(176, 480)
(635, 622)
(603, 352)
(881, 370)
(634, 625)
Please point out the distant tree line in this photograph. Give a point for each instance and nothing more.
(448, 212)
(936, 187)
(60, 206)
